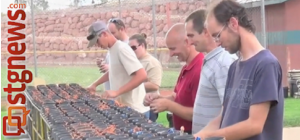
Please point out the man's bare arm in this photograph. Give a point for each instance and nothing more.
(138, 78)
(214, 124)
(252, 126)
(169, 97)
(150, 87)
(181, 111)
(104, 78)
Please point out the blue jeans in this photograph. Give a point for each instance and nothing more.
(153, 116)
(170, 119)
(147, 114)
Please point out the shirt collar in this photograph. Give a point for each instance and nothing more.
(126, 41)
(195, 61)
(213, 53)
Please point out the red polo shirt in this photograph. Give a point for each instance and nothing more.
(186, 89)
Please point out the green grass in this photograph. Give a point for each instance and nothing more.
(3, 113)
(81, 75)
(292, 112)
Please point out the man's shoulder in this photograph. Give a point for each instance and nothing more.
(226, 59)
(199, 60)
(262, 60)
(122, 44)
(124, 48)
(153, 61)
(267, 57)
(200, 57)
(119, 45)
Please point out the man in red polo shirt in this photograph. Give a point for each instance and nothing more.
(182, 101)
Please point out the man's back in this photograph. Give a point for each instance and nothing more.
(255, 81)
(123, 63)
(106, 84)
(211, 87)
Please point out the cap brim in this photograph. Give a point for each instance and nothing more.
(92, 42)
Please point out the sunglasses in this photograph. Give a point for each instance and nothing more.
(134, 47)
(117, 21)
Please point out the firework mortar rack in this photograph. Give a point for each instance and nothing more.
(70, 112)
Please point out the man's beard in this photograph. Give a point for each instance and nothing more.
(236, 46)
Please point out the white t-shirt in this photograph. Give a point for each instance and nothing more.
(106, 84)
(123, 63)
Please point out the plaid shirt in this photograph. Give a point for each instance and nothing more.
(209, 98)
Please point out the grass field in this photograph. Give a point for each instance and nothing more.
(81, 75)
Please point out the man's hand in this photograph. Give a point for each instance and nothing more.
(159, 105)
(104, 68)
(99, 62)
(92, 89)
(110, 94)
(203, 134)
(149, 98)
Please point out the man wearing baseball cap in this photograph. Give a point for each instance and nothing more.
(116, 27)
(126, 74)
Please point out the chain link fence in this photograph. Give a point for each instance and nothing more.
(60, 34)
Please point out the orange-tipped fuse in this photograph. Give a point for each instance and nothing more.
(181, 130)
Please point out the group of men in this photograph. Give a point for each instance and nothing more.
(217, 93)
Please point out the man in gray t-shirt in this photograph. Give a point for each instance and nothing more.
(253, 100)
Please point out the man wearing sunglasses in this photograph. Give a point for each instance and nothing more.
(126, 74)
(217, 61)
(253, 101)
(117, 27)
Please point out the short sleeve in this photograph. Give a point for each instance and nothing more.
(154, 75)
(195, 88)
(129, 60)
(220, 79)
(266, 84)
(107, 58)
(195, 83)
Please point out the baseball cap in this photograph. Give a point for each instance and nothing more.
(94, 30)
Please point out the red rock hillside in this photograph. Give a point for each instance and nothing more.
(66, 30)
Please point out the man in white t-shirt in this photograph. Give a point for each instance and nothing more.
(117, 27)
(126, 74)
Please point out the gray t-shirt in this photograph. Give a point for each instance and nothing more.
(254, 81)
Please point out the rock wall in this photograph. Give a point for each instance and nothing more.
(66, 30)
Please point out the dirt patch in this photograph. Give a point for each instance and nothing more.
(291, 133)
(165, 92)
